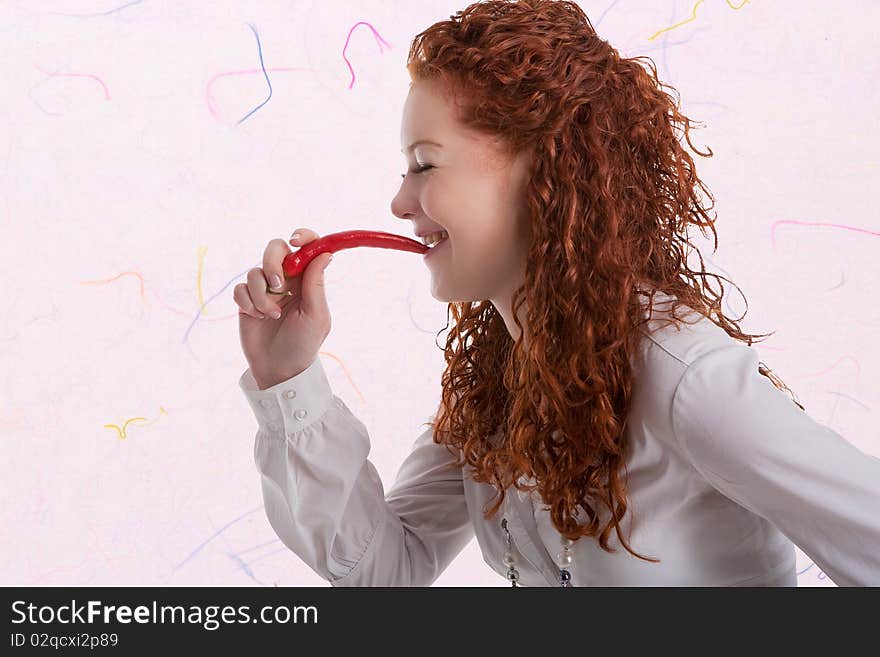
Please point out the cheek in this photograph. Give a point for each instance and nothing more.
(485, 252)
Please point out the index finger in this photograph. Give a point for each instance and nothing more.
(274, 255)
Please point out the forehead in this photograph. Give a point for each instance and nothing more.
(427, 114)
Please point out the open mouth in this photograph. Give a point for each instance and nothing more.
(434, 239)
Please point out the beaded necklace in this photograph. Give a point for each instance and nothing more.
(563, 559)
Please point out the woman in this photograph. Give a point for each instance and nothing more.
(595, 396)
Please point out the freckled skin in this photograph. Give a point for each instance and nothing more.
(473, 193)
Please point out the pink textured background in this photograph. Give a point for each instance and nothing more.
(132, 194)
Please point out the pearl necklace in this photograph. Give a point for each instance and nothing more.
(563, 559)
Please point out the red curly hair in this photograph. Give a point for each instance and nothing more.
(610, 199)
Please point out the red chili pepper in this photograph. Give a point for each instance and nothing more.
(295, 262)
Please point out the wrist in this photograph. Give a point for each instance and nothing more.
(267, 380)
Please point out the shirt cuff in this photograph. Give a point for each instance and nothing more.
(292, 405)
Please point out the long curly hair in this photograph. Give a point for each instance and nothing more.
(610, 199)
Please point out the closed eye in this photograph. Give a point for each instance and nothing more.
(419, 170)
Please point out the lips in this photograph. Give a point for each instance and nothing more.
(439, 246)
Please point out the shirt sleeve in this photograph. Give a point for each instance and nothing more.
(325, 500)
(752, 443)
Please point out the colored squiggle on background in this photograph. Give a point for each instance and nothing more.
(684, 22)
(209, 97)
(347, 375)
(257, 547)
(265, 75)
(203, 303)
(200, 259)
(852, 399)
(268, 554)
(242, 564)
(77, 75)
(212, 537)
(821, 574)
(693, 18)
(836, 363)
(121, 431)
(261, 557)
(376, 37)
(137, 275)
(816, 223)
(842, 281)
(104, 13)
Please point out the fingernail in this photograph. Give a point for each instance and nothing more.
(295, 236)
(276, 281)
(276, 314)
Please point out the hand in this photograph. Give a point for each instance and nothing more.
(278, 349)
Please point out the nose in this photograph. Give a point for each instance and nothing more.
(400, 208)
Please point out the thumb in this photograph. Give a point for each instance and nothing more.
(313, 296)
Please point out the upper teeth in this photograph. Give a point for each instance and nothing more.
(433, 238)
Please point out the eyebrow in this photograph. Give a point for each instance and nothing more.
(421, 141)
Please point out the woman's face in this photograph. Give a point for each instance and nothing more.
(469, 191)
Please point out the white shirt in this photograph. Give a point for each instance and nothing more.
(725, 475)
